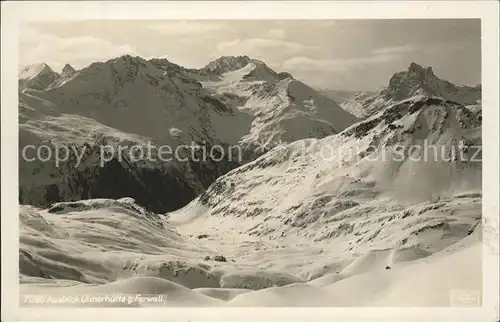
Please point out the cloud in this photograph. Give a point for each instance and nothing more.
(334, 65)
(184, 28)
(377, 56)
(428, 48)
(259, 46)
(36, 47)
(395, 50)
(448, 47)
(277, 33)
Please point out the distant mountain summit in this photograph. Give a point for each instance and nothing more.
(415, 81)
(418, 80)
(34, 70)
(68, 70)
(42, 77)
(225, 64)
(37, 76)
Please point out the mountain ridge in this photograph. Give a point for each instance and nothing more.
(416, 80)
(159, 101)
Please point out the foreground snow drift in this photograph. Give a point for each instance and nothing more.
(91, 248)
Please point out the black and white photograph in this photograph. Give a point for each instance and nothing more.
(250, 163)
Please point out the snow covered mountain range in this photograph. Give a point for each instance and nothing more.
(131, 101)
(417, 80)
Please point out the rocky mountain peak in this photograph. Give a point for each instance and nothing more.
(420, 74)
(227, 63)
(234, 59)
(68, 69)
(418, 69)
(36, 76)
(127, 59)
(34, 70)
(417, 80)
(416, 74)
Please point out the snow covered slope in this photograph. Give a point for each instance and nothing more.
(363, 202)
(410, 152)
(283, 109)
(114, 246)
(80, 173)
(417, 80)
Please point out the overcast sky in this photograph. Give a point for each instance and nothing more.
(337, 54)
